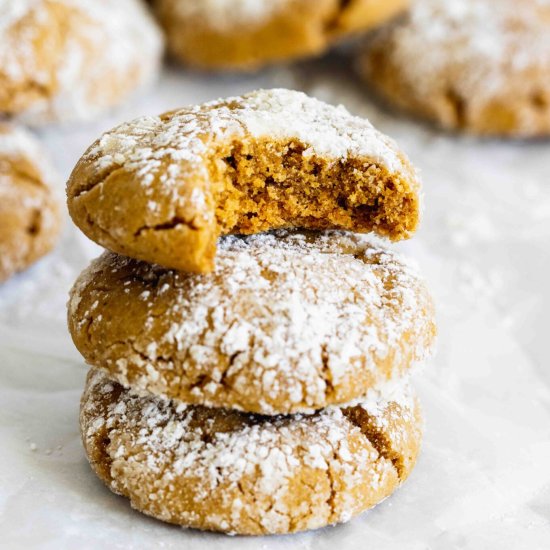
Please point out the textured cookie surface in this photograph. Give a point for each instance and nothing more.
(246, 474)
(70, 59)
(162, 189)
(245, 34)
(29, 212)
(287, 322)
(478, 65)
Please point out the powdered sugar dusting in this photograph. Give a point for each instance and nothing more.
(13, 10)
(286, 322)
(396, 390)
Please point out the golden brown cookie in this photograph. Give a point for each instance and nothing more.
(162, 189)
(482, 66)
(287, 322)
(245, 474)
(29, 213)
(71, 59)
(245, 35)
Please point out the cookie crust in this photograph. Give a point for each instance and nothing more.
(162, 189)
(245, 474)
(288, 322)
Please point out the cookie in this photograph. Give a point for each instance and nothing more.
(287, 322)
(244, 35)
(71, 59)
(162, 189)
(30, 215)
(246, 474)
(482, 66)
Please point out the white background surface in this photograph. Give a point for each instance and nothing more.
(483, 479)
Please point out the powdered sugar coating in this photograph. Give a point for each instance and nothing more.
(478, 55)
(240, 473)
(287, 322)
(67, 59)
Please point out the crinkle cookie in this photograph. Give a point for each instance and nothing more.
(246, 474)
(287, 322)
(162, 189)
(30, 215)
(247, 34)
(482, 66)
(71, 59)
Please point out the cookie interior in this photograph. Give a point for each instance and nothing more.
(265, 184)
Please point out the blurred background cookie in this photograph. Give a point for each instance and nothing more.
(29, 213)
(71, 59)
(482, 66)
(247, 474)
(244, 34)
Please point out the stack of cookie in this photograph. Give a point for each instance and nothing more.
(250, 344)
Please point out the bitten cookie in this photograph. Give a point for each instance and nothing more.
(162, 189)
(71, 59)
(244, 35)
(29, 214)
(245, 474)
(482, 66)
(287, 322)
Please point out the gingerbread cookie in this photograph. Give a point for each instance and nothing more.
(245, 474)
(29, 213)
(244, 35)
(287, 322)
(482, 66)
(71, 59)
(162, 189)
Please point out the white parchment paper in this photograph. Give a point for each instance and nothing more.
(483, 479)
